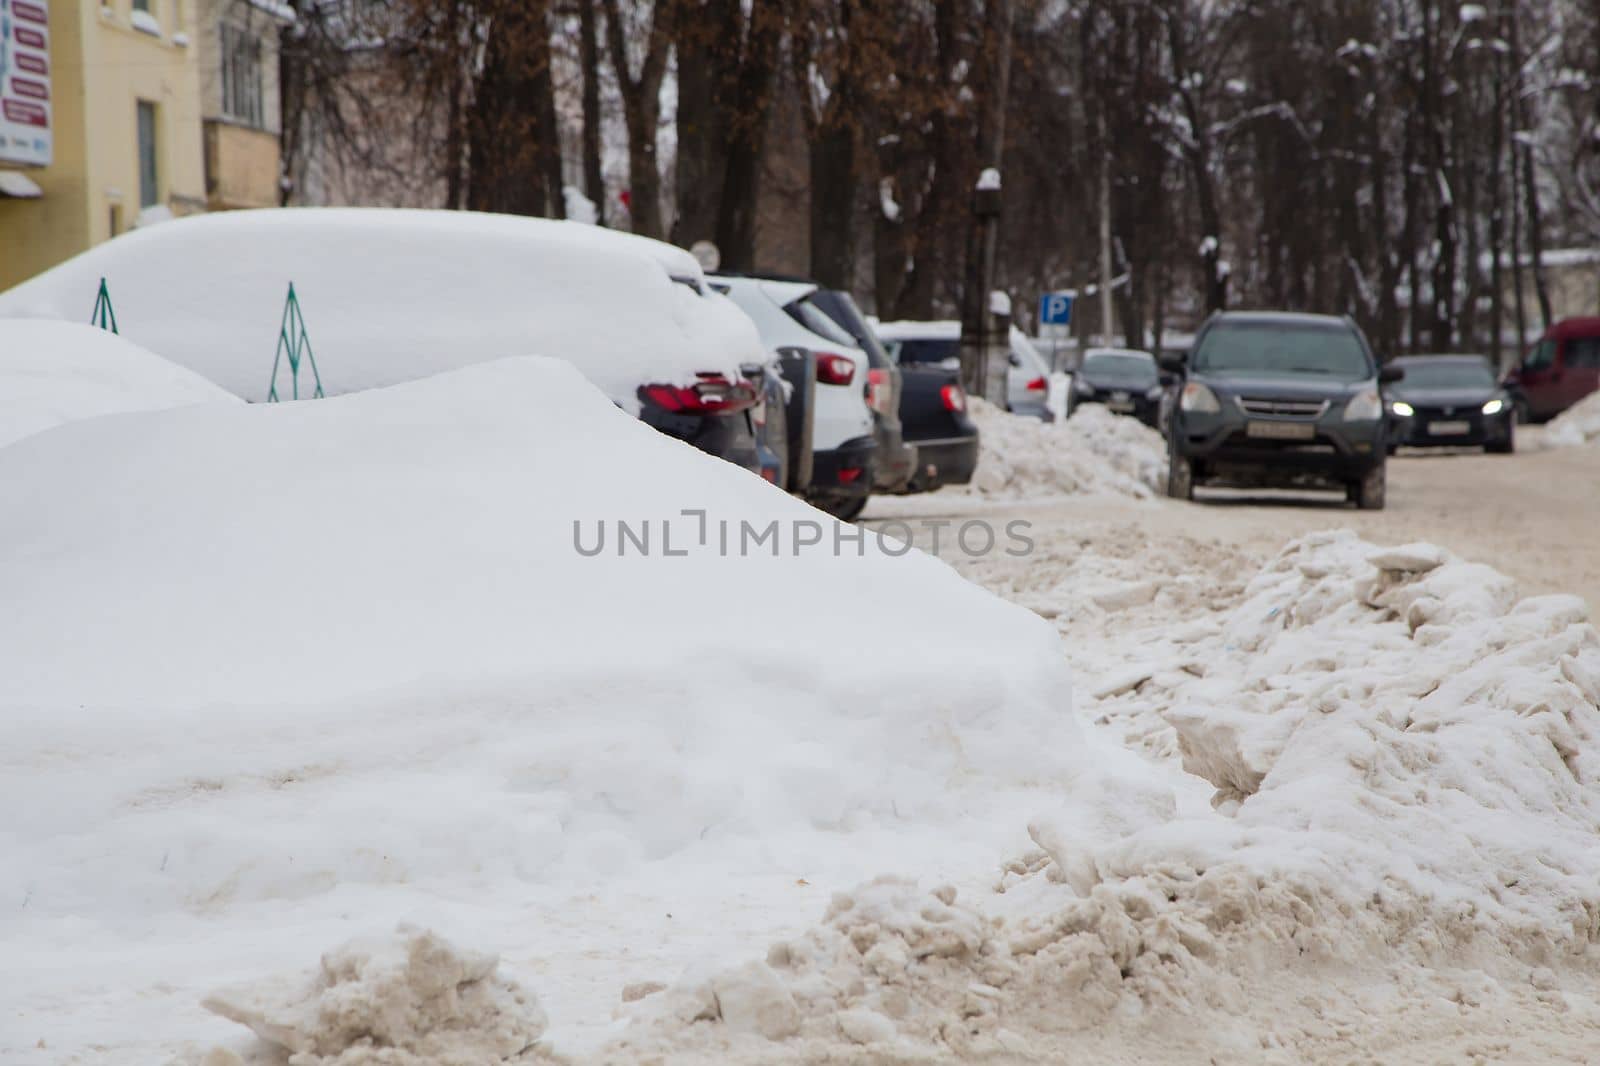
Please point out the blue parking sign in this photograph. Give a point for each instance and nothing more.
(1055, 309)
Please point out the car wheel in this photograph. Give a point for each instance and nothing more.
(1180, 476)
(844, 508)
(1369, 492)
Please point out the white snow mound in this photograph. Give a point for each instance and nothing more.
(1574, 427)
(53, 372)
(372, 607)
(1406, 758)
(411, 999)
(1094, 452)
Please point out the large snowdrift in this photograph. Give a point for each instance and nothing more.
(395, 295)
(1406, 765)
(1093, 452)
(54, 372)
(295, 667)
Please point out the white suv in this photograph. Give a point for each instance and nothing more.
(823, 360)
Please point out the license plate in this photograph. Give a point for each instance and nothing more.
(1119, 405)
(1448, 429)
(1281, 430)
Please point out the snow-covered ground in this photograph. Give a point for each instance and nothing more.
(1576, 426)
(1334, 802)
(54, 372)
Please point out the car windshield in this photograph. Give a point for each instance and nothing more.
(1282, 349)
(1134, 370)
(1452, 374)
(927, 350)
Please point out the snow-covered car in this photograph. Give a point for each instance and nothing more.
(829, 373)
(389, 296)
(55, 372)
(1027, 377)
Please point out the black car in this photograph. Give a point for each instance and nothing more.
(714, 414)
(1271, 399)
(1450, 401)
(1125, 381)
(896, 458)
(933, 415)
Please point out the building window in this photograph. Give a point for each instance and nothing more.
(241, 76)
(149, 192)
(141, 5)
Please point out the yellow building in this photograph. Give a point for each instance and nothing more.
(124, 126)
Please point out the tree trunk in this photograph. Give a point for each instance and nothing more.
(594, 182)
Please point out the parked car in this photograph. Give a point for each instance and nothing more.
(390, 296)
(1557, 372)
(1027, 377)
(1125, 380)
(1280, 400)
(1450, 400)
(833, 443)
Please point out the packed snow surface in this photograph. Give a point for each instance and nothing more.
(1092, 452)
(275, 673)
(1404, 759)
(390, 296)
(53, 372)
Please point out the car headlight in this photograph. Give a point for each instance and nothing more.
(1081, 387)
(1403, 409)
(1367, 406)
(1494, 407)
(1153, 393)
(1200, 399)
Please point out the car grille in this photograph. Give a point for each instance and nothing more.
(1267, 408)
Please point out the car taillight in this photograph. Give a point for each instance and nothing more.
(848, 474)
(712, 395)
(1038, 385)
(835, 369)
(879, 391)
(953, 398)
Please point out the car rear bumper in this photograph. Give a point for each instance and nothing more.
(846, 471)
(950, 461)
(727, 436)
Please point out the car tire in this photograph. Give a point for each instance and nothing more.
(844, 508)
(1370, 491)
(1524, 413)
(1507, 446)
(1180, 476)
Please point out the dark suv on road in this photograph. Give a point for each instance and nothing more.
(1277, 400)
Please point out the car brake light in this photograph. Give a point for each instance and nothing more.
(878, 391)
(953, 398)
(848, 474)
(835, 369)
(1038, 385)
(712, 395)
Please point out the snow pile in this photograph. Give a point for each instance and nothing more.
(275, 672)
(411, 999)
(1574, 427)
(1093, 452)
(1405, 760)
(395, 295)
(54, 372)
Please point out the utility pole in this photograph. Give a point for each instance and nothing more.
(1105, 230)
(985, 340)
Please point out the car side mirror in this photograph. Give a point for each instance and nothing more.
(1388, 375)
(1167, 379)
(1173, 362)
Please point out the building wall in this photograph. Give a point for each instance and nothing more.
(103, 64)
(1572, 277)
(241, 156)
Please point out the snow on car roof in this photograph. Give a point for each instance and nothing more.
(395, 295)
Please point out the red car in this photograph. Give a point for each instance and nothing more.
(1560, 370)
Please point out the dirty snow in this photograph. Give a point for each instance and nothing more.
(1092, 452)
(54, 372)
(1403, 758)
